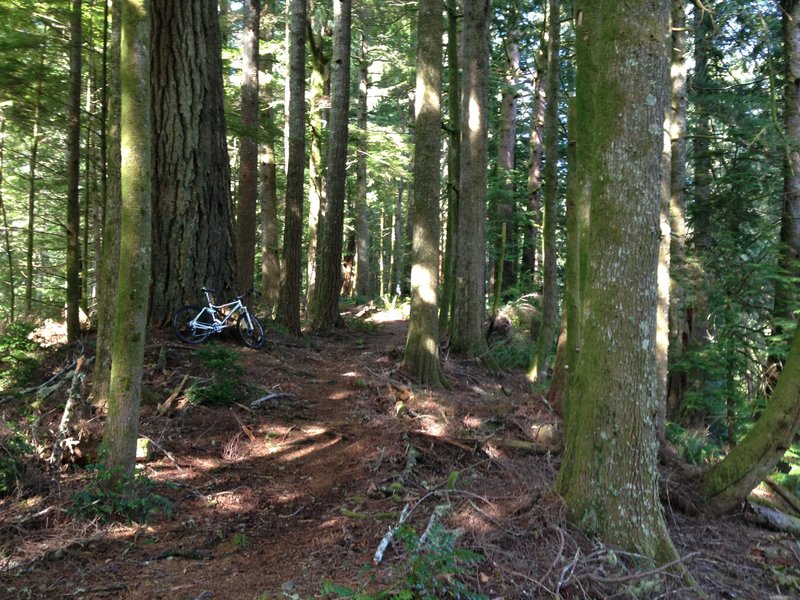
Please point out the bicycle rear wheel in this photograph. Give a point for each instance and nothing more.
(251, 336)
(183, 324)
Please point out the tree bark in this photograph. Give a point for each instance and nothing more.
(453, 165)
(468, 312)
(122, 421)
(608, 474)
(289, 301)
(363, 283)
(192, 224)
(248, 150)
(546, 335)
(73, 221)
(325, 301)
(421, 356)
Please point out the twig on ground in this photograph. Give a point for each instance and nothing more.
(274, 396)
(387, 539)
(165, 451)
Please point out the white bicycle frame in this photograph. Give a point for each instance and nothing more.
(218, 325)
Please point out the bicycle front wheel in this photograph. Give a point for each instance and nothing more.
(252, 335)
(184, 324)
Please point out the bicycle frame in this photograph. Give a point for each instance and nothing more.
(212, 309)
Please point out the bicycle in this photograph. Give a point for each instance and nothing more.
(194, 324)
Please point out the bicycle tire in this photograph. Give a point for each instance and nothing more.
(253, 337)
(181, 324)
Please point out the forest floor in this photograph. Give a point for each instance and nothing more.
(273, 501)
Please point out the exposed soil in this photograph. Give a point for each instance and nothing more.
(270, 502)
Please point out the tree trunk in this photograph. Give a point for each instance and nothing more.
(270, 246)
(678, 326)
(319, 113)
(363, 285)
(192, 224)
(546, 335)
(109, 271)
(6, 234)
(421, 356)
(289, 302)
(33, 165)
(531, 250)
(453, 165)
(468, 311)
(608, 474)
(73, 221)
(728, 482)
(248, 151)
(325, 301)
(122, 421)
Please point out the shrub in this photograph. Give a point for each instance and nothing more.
(225, 385)
(13, 450)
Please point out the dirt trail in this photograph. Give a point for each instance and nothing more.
(270, 502)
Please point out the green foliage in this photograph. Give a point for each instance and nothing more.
(225, 385)
(695, 446)
(18, 360)
(431, 570)
(14, 449)
(511, 352)
(110, 494)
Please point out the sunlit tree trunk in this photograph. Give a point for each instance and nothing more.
(73, 220)
(421, 356)
(468, 311)
(608, 475)
(289, 301)
(192, 224)
(530, 256)
(248, 150)
(547, 331)
(122, 421)
(678, 327)
(319, 113)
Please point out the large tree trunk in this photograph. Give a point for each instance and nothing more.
(608, 475)
(324, 305)
(547, 331)
(73, 177)
(248, 152)
(530, 253)
(122, 421)
(421, 356)
(289, 302)
(468, 311)
(192, 224)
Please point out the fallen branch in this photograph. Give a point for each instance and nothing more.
(772, 519)
(788, 496)
(165, 406)
(166, 453)
(73, 405)
(533, 447)
(275, 396)
(387, 539)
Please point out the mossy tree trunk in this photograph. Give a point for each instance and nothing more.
(421, 356)
(192, 224)
(130, 325)
(608, 475)
(289, 300)
(469, 310)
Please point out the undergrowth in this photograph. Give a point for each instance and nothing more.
(18, 359)
(111, 494)
(225, 385)
(14, 450)
(432, 569)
